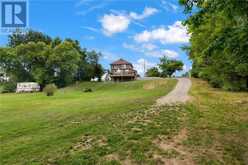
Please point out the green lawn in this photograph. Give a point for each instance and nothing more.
(116, 125)
(36, 129)
(217, 123)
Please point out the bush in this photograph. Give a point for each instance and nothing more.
(86, 90)
(8, 87)
(216, 82)
(235, 85)
(50, 89)
(204, 74)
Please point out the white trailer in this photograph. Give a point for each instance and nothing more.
(27, 87)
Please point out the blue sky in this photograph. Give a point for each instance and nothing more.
(136, 30)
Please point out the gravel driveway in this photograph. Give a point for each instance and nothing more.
(178, 95)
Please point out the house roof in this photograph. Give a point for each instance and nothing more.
(121, 62)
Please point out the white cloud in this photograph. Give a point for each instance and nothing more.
(117, 21)
(149, 46)
(170, 53)
(145, 36)
(129, 46)
(89, 37)
(110, 56)
(139, 24)
(186, 68)
(91, 9)
(90, 28)
(151, 50)
(162, 52)
(142, 65)
(148, 11)
(176, 33)
(81, 2)
(114, 24)
(154, 53)
(168, 6)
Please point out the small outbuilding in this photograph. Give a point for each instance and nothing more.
(27, 87)
(106, 77)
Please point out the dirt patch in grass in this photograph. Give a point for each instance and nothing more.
(128, 138)
(173, 150)
(172, 161)
(111, 157)
(87, 142)
(116, 158)
(212, 129)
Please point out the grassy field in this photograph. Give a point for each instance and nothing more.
(116, 125)
(36, 129)
(217, 124)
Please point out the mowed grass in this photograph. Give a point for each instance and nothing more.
(116, 125)
(217, 124)
(36, 129)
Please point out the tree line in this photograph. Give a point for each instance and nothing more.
(166, 68)
(219, 41)
(37, 57)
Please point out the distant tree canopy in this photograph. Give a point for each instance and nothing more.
(35, 56)
(166, 68)
(18, 38)
(186, 74)
(219, 41)
(153, 72)
(169, 66)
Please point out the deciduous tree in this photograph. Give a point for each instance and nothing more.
(169, 66)
(34, 56)
(219, 41)
(153, 72)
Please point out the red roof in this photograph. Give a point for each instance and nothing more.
(121, 62)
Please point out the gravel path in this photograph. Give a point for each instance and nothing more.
(178, 95)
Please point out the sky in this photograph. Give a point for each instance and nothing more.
(139, 31)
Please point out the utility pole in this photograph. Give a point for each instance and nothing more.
(144, 68)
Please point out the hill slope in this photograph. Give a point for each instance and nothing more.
(116, 125)
(36, 128)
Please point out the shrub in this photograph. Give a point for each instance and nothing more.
(8, 87)
(86, 90)
(50, 89)
(204, 74)
(235, 85)
(216, 82)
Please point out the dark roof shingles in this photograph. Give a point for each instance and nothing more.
(121, 62)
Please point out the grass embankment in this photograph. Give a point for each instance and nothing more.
(114, 125)
(74, 127)
(217, 124)
(213, 129)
